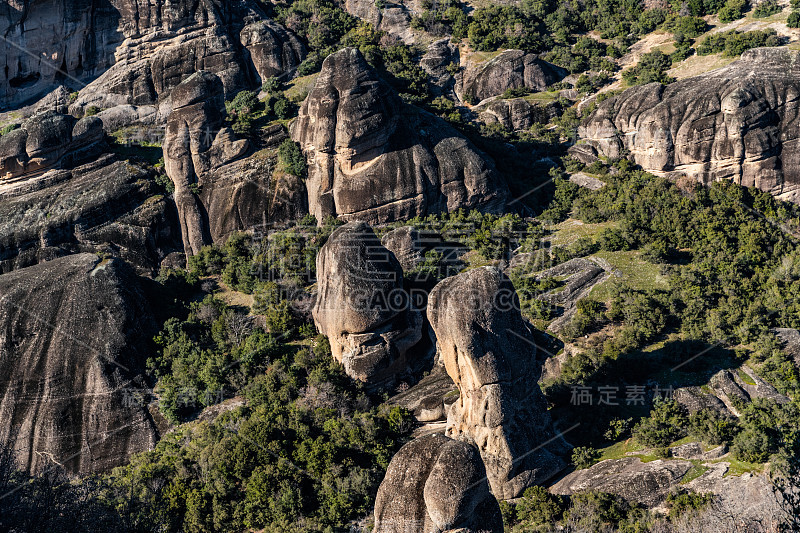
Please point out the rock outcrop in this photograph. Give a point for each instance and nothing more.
(47, 40)
(363, 309)
(49, 140)
(134, 53)
(649, 483)
(629, 477)
(394, 18)
(737, 123)
(106, 206)
(373, 158)
(436, 484)
(518, 113)
(438, 61)
(489, 351)
(72, 351)
(219, 188)
(511, 69)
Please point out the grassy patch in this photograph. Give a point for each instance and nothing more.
(697, 470)
(620, 450)
(745, 378)
(634, 273)
(737, 467)
(571, 230)
(298, 88)
(542, 98)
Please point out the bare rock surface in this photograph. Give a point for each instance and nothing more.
(49, 140)
(518, 113)
(363, 309)
(511, 69)
(489, 352)
(220, 187)
(726, 389)
(105, 206)
(738, 499)
(430, 398)
(392, 17)
(436, 484)
(134, 52)
(736, 123)
(645, 483)
(72, 348)
(373, 158)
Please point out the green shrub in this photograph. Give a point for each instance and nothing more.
(794, 19)
(667, 423)
(652, 67)
(766, 8)
(732, 10)
(584, 457)
(291, 158)
(91, 111)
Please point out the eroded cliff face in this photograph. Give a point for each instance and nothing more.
(135, 52)
(108, 206)
(489, 351)
(73, 335)
(373, 158)
(737, 123)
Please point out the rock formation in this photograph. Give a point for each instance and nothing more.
(437, 62)
(394, 18)
(54, 38)
(362, 307)
(736, 123)
(489, 351)
(46, 141)
(373, 158)
(511, 69)
(436, 484)
(194, 144)
(105, 206)
(134, 53)
(72, 350)
(518, 113)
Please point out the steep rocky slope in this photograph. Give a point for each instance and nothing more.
(489, 351)
(737, 123)
(373, 158)
(106, 206)
(72, 349)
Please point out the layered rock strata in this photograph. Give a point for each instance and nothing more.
(737, 123)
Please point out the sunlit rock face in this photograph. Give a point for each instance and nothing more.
(737, 123)
(373, 158)
(489, 351)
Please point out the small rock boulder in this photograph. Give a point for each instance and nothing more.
(436, 484)
(49, 140)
